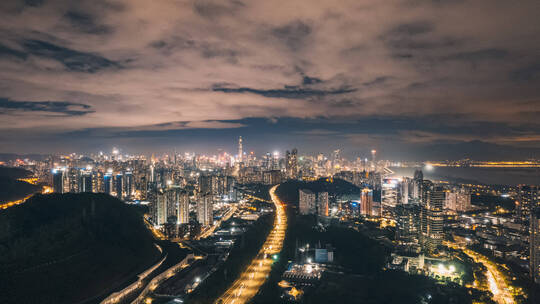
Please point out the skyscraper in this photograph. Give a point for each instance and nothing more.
(366, 202)
(128, 183)
(433, 197)
(205, 211)
(107, 183)
(58, 180)
(161, 207)
(291, 163)
(534, 245)
(528, 199)
(183, 208)
(119, 182)
(322, 203)
(408, 222)
(240, 150)
(417, 185)
(306, 202)
(86, 184)
(373, 160)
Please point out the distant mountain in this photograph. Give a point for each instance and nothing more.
(65, 248)
(476, 149)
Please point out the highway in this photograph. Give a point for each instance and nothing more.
(254, 276)
(210, 230)
(496, 279)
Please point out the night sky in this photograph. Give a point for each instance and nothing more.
(412, 79)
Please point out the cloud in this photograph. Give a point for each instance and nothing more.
(380, 70)
(60, 107)
(293, 34)
(293, 92)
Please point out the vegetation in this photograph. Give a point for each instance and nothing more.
(243, 251)
(66, 248)
(493, 201)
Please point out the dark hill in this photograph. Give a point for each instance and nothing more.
(65, 248)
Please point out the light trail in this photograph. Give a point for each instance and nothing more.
(251, 280)
(496, 279)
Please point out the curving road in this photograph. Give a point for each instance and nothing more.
(251, 280)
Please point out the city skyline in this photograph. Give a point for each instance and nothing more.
(415, 80)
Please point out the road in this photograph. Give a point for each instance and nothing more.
(210, 230)
(496, 281)
(251, 280)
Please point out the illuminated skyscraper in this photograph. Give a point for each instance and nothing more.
(322, 203)
(161, 207)
(107, 183)
(240, 150)
(373, 160)
(128, 183)
(205, 211)
(119, 182)
(306, 202)
(534, 245)
(417, 186)
(183, 207)
(73, 179)
(86, 184)
(366, 202)
(432, 218)
(528, 199)
(58, 180)
(408, 222)
(291, 163)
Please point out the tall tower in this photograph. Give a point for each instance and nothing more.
(534, 245)
(373, 159)
(240, 150)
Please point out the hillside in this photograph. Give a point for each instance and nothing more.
(66, 248)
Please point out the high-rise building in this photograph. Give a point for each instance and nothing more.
(291, 165)
(205, 211)
(86, 182)
(417, 185)
(58, 180)
(272, 177)
(528, 199)
(366, 202)
(206, 184)
(161, 207)
(119, 183)
(433, 197)
(373, 160)
(534, 245)
(322, 203)
(458, 199)
(405, 190)
(408, 222)
(107, 183)
(240, 150)
(128, 176)
(183, 208)
(73, 179)
(306, 202)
